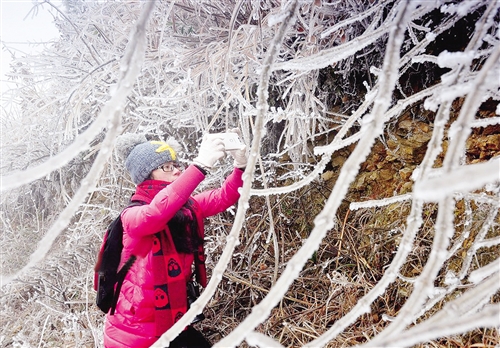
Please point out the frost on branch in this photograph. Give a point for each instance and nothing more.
(370, 210)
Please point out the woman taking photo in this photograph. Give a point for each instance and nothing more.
(163, 227)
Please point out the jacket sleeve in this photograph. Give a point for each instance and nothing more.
(213, 202)
(140, 221)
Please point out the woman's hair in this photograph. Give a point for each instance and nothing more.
(184, 230)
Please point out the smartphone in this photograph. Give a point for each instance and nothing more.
(231, 141)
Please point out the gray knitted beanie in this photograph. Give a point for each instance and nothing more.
(142, 156)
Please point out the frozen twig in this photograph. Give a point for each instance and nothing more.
(433, 189)
(379, 202)
(258, 339)
(491, 269)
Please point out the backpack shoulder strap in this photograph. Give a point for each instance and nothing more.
(120, 276)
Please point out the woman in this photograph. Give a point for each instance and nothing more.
(165, 231)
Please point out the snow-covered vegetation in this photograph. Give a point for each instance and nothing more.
(370, 209)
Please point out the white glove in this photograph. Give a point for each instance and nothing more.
(240, 156)
(211, 150)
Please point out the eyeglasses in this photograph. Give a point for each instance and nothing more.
(169, 167)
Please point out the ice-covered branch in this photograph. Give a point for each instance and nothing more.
(352, 20)
(452, 325)
(379, 202)
(487, 224)
(490, 269)
(486, 122)
(424, 285)
(339, 143)
(414, 222)
(313, 175)
(81, 143)
(257, 339)
(80, 36)
(434, 189)
(131, 66)
(487, 243)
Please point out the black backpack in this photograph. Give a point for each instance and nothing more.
(106, 267)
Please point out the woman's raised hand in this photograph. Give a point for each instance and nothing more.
(240, 156)
(211, 150)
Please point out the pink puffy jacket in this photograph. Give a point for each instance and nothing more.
(133, 324)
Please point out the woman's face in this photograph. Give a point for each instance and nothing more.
(168, 172)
